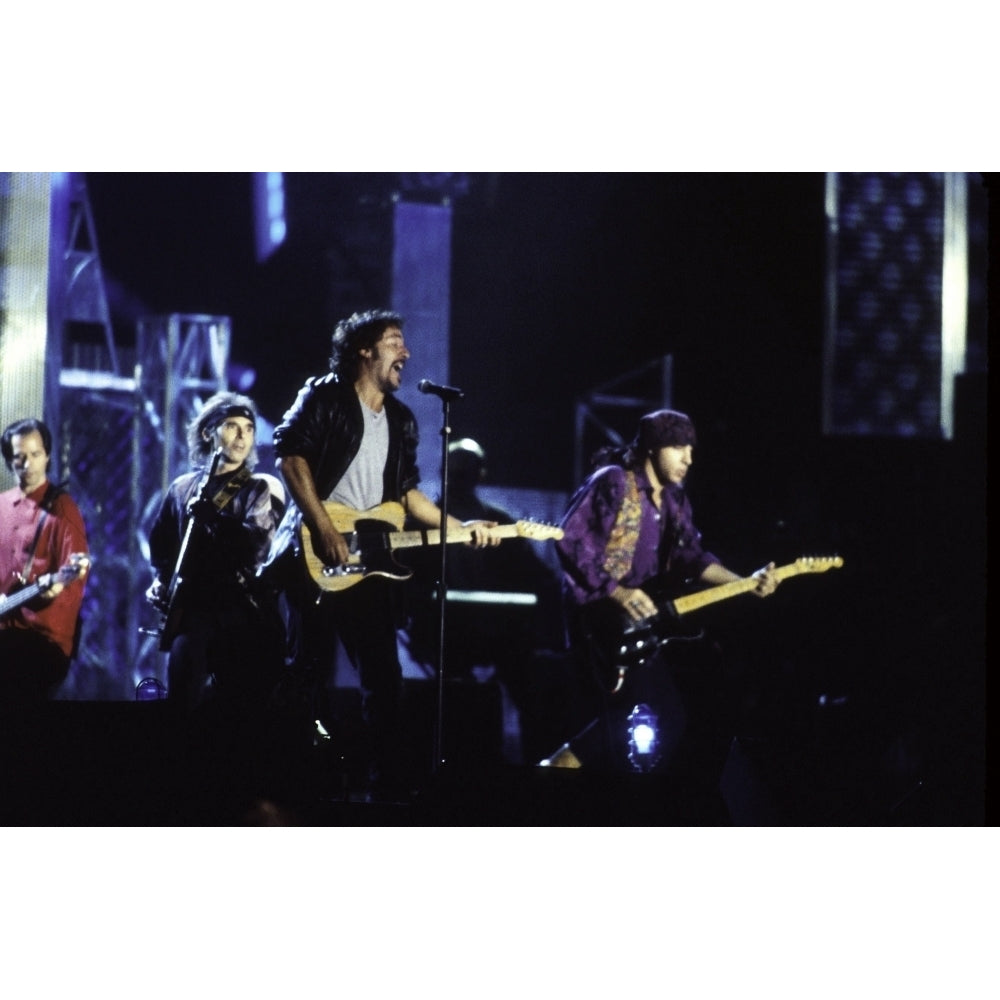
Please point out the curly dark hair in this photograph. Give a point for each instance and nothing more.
(352, 335)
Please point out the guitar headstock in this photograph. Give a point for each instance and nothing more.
(538, 532)
(818, 564)
(78, 564)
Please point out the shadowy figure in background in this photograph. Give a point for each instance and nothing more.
(41, 530)
(502, 614)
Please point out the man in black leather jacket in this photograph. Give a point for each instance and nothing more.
(347, 444)
(221, 624)
(212, 532)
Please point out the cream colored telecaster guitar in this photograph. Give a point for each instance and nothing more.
(374, 534)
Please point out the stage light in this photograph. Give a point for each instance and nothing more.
(150, 689)
(271, 226)
(643, 738)
(240, 377)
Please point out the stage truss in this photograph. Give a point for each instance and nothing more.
(123, 440)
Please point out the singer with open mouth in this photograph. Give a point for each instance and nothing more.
(347, 443)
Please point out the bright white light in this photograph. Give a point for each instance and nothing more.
(643, 736)
(643, 740)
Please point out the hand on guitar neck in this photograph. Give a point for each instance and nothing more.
(638, 605)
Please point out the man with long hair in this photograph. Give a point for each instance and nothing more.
(223, 628)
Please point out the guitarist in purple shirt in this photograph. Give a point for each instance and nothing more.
(629, 541)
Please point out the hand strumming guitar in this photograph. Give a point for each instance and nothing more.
(635, 602)
(328, 544)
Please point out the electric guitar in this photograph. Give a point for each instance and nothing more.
(372, 536)
(617, 643)
(78, 564)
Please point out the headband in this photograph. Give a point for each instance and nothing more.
(665, 429)
(237, 410)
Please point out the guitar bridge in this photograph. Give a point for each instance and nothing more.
(353, 569)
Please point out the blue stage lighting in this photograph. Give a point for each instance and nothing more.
(240, 377)
(643, 738)
(150, 689)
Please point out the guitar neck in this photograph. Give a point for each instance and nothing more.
(409, 539)
(78, 564)
(13, 601)
(691, 602)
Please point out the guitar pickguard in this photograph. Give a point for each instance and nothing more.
(616, 644)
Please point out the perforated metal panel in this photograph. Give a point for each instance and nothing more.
(897, 288)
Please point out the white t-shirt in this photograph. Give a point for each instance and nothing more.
(361, 485)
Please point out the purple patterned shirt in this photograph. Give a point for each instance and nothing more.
(674, 554)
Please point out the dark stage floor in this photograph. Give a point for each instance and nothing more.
(110, 764)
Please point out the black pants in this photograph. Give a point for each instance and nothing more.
(225, 744)
(31, 668)
(364, 618)
(228, 650)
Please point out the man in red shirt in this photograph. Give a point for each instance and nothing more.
(41, 533)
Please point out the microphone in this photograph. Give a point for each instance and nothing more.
(445, 392)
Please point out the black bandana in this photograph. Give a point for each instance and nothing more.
(665, 429)
(236, 410)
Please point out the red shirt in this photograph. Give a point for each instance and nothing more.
(62, 535)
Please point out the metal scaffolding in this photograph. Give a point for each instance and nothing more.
(123, 438)
(598, 414)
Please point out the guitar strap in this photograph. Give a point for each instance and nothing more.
(47, 502)
(624, 537)
(231, 487)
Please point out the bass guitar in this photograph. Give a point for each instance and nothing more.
(78, 564)
(618, 643)
(374, 534)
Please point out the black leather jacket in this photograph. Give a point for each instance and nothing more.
(225, 552)
(325, 426)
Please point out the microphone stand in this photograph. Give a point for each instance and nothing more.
(442, 586)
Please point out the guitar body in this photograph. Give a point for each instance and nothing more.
(617, 644)
(372, 536)
(367, 534)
